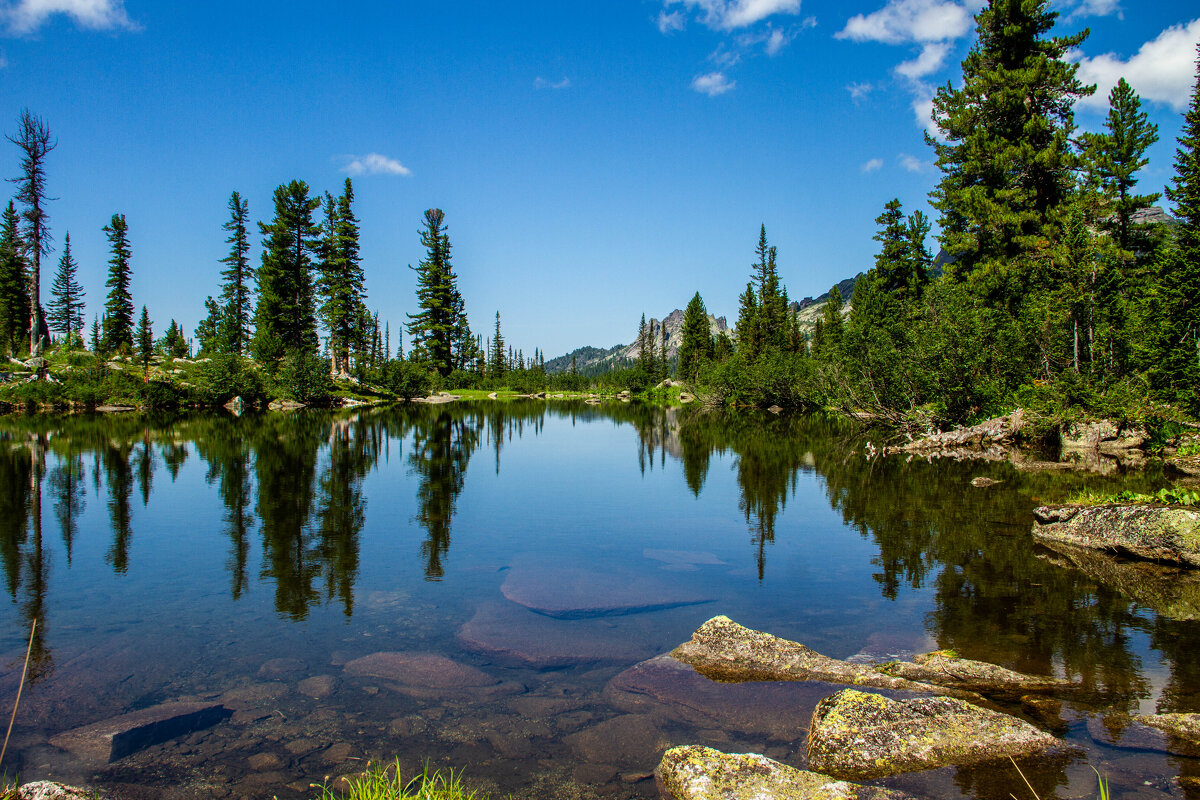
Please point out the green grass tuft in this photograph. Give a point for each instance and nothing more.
(388, 783)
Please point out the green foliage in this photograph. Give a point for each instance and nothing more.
(407, 379)
(227, 375)
(341, 277)
(14, 285)
(388, 783)
(1171, 496)
(233, 321)
(118, 308)
(285, 321)
(65, 309)
(145, 340)
(696, 346)
(439, 332)
(303, 376)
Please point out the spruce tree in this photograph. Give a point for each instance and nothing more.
(1177, 339)
(696, 345)
(145, 340)
(1005, 150)
(118, 307)
(34, 140)
(749, 342)
(434, 330)
(96, 343)
(284, 318)
(1117, 156)
(14, 285)
(891, 261)
(65, 309)
(497, 367)
(210, 333)
(342, 283)
(237, 276)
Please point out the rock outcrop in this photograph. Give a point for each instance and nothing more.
(701, 773)
(865, 736)
(113, 739)
(1104, 435)
(995, 432)
(1157, 533)
(944, 668)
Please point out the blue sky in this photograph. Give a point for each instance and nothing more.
(595, 160)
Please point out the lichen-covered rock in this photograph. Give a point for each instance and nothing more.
(701, 773)
(946, 669)
(1177, 734)
(864, 736)
(1172, 591)
(50, 790)
(723, 650)
(1159, 533)
(1184, 726)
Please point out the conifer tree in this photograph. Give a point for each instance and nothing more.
(831, 327)
(14, 285)
(696, 345)
(96, 342)
(342, 282)
(1004, 150)
(145, 340)
(284, 318)
(643, 337)
(749, 344)
(441, 320)
(34, 140)
(118, 308)
(65, 309)
(497, 367)
(1117, 156)
(235, 289)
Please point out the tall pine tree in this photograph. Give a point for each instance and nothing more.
(696, 345)
(118, 307)
(342, 284)
(14, 285)
(236, 278)
(285, 317)
(434, 329)
(35, 142)
(65, 309)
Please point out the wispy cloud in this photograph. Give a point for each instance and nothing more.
(1094, 8)
(1162, 70)
(932, 57)
(542, 83)
(904, 21)
(670, 21)
(912, 163)
(872, 165)
(26, 16)
(729, 15)
(374, 164)
(713, 84)
(859, 91)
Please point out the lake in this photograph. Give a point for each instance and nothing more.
(472, 584)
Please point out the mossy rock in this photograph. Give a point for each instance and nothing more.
(945, 668)
(863, 736)
(701, 773)
(1158, 533)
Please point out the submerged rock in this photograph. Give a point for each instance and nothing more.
(1158, 533)
(701, 773)
(626, 739)
(1172, 591)
(723, 650)
(864, 736)
(576, 593)
(1177, 734)
(115, 738)
(421, 670)
(944, 668)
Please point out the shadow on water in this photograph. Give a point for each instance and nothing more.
(294, 490)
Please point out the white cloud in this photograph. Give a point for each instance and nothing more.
(912, 163)
(922, 106)
(26, 16)
(859, 91)
(1094, 8)
(872, 165)
(1162, 70)
(902, 21)
(933, 55)
(375, 164)
(670, 22)
(713, 84)
(542, 83)
(728, 15)
(724, 57)
(776, 41)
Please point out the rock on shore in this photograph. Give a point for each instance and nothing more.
(1158, 533)
(946, 669)
(865, 736)
(701, 773)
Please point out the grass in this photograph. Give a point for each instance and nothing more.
(1174, 496)
(388, 783)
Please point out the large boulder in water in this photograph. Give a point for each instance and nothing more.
(864, 736)
(421, 670)
(577, 593)
(701, 773)
(1157, 533)
(944, 668)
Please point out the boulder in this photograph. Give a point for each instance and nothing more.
(1087, 435)
(983, 483)
(113, 739)
(35, 364)
(1157, 533)
(50, 790)
(421, 670)
(577, 593)
(1172, 591)
(701, 773)
(318, 687)
(944, 668)
(723, 650)
(1177, 734)
(996, 432)
(866, 736)
(235, 406)
(515, 634)
(625, 739)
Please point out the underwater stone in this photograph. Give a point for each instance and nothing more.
(113, 739)
(701, 773)
(575, 593)
(423, 670)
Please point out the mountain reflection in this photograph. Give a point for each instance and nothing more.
(295, 485)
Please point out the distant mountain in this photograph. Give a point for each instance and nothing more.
(594, 360)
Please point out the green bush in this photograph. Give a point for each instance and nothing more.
(408, 380)
(304, 377)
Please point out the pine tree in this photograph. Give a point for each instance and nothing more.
(284, 319)
(34, 140)
(497, 367)
(891, 260)
(210, 333)
(696, 344)
(235, 288)
(1117, 156)
(342, 281)
(830, 327)
(1005, 151)
(14, 285)
(65, 310)
(96, 342)
(118, 308)
(749, 343)
(145, 340)
(441, 321)
(1177, 339)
